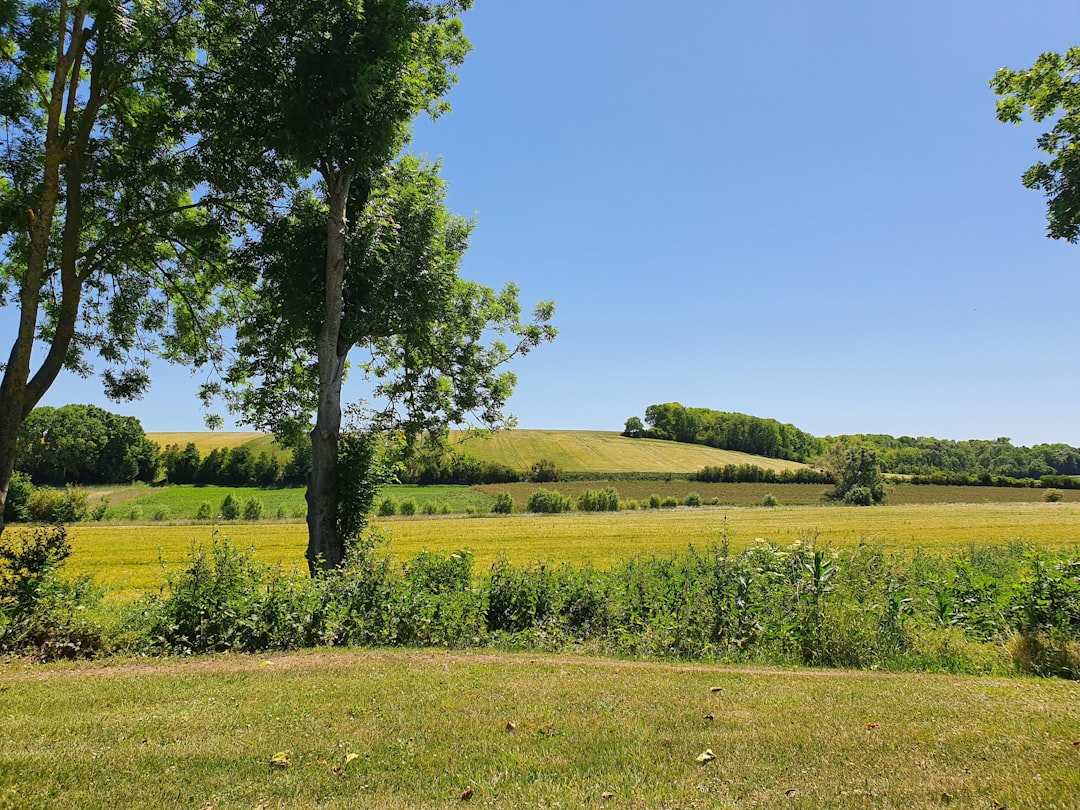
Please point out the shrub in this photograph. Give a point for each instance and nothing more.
(548, 501)
(205, 511)
(543, 472)
(654, 501)
(504, 504)
(631, 504)
(135, 512)
(16, 508)
(859, 496)
(769, 500)
(230, 508)
(693, 499)
(429, 508)
(160, 513)
(253, 509)
(387, 507)
(670, 502)
(1054, 495)
(599, 500)
(58, 506)
(407, 507)
(280, 513)
(98, 512)
(444, 508)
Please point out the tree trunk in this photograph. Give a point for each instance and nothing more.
(326, 548)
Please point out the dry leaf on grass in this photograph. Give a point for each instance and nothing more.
(716, 689)
(607, 794)
(706, 756)
(280, 760)
(467, 794)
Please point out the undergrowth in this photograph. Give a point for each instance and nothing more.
(989, 609)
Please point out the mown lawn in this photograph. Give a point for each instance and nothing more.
(127, 558)
(412, 729)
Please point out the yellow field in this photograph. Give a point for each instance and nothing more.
(125, 558)
(596, 451)
(206, 441)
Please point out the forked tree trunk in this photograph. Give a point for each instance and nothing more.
(326, 548)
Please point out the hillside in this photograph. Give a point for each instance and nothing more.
(594, 451)
(573, 451)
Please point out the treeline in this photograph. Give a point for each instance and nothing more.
(726, 431)
(749, 474)
(977, 458)
(233, 466)
(979, 462)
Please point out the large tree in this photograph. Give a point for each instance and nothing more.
(1049, 90)
(104, 246)
(366, 255)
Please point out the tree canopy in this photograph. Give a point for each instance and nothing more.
(1049, 91)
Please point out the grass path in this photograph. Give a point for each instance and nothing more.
(125, 557)
(411, 729)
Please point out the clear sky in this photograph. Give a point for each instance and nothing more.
(804, 211)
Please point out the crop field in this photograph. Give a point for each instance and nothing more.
(206, 441)
(594, 451)
(425, 729)
(128, 558)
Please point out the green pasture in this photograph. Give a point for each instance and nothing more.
(429, 729)
(128, 558)
(594, 451)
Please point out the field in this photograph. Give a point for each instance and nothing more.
(416, 729)
(127, 558)
(590, 451)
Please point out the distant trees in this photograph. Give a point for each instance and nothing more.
(856, 473)
(84, 444)
(727, 431)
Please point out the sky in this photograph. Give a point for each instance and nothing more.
(803, 211)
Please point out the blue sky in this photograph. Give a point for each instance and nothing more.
(804, 211)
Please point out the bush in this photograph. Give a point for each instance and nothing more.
(670, 502)
(859, 496)
(631, 504)
(253, 509)
(599, 500)
(280, 514)
(98, 512)
(543, 472)
(230, 508)
(504, 504)
(160, 513)
(1054, 495)
(693, 499)
(205, 511)
(429, 508)
(135, 512)
(546, 501)
(769, 500)
(387, 507)
(58, 506)
(407, 507)
(16, 508)
(654, 501)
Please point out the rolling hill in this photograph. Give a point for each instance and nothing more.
(573, 451)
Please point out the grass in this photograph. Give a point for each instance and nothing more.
(126, 558)
(425, 727)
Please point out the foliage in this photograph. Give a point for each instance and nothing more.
(68, 505)
(769, 500)
(16, 507)
(407, 507)
(598, 500)
(504, 504)
(253, 509)
(669, 502)
(84, 444)
(546, 501)
(230, 508)
(751, 473)
(1054, 496)
(856, 473)
(387, 507)
(728, 431)
(692, 499)
(543, 471)
(1048, 91)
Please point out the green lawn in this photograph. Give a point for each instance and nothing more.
(424, 729)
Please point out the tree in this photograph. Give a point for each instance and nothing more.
(84, 444)
(855, 472)
(331, 88)
(103, 243)
(634, 428)
(1050, 89)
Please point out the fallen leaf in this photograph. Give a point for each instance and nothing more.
(871, 725)
(716, 689)
(349, 758)
(792, 793)
(607, 794)
(710, 716)
(280, 760)
(467, 794)
(266, 664)
(511, 726)
(706, 756)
